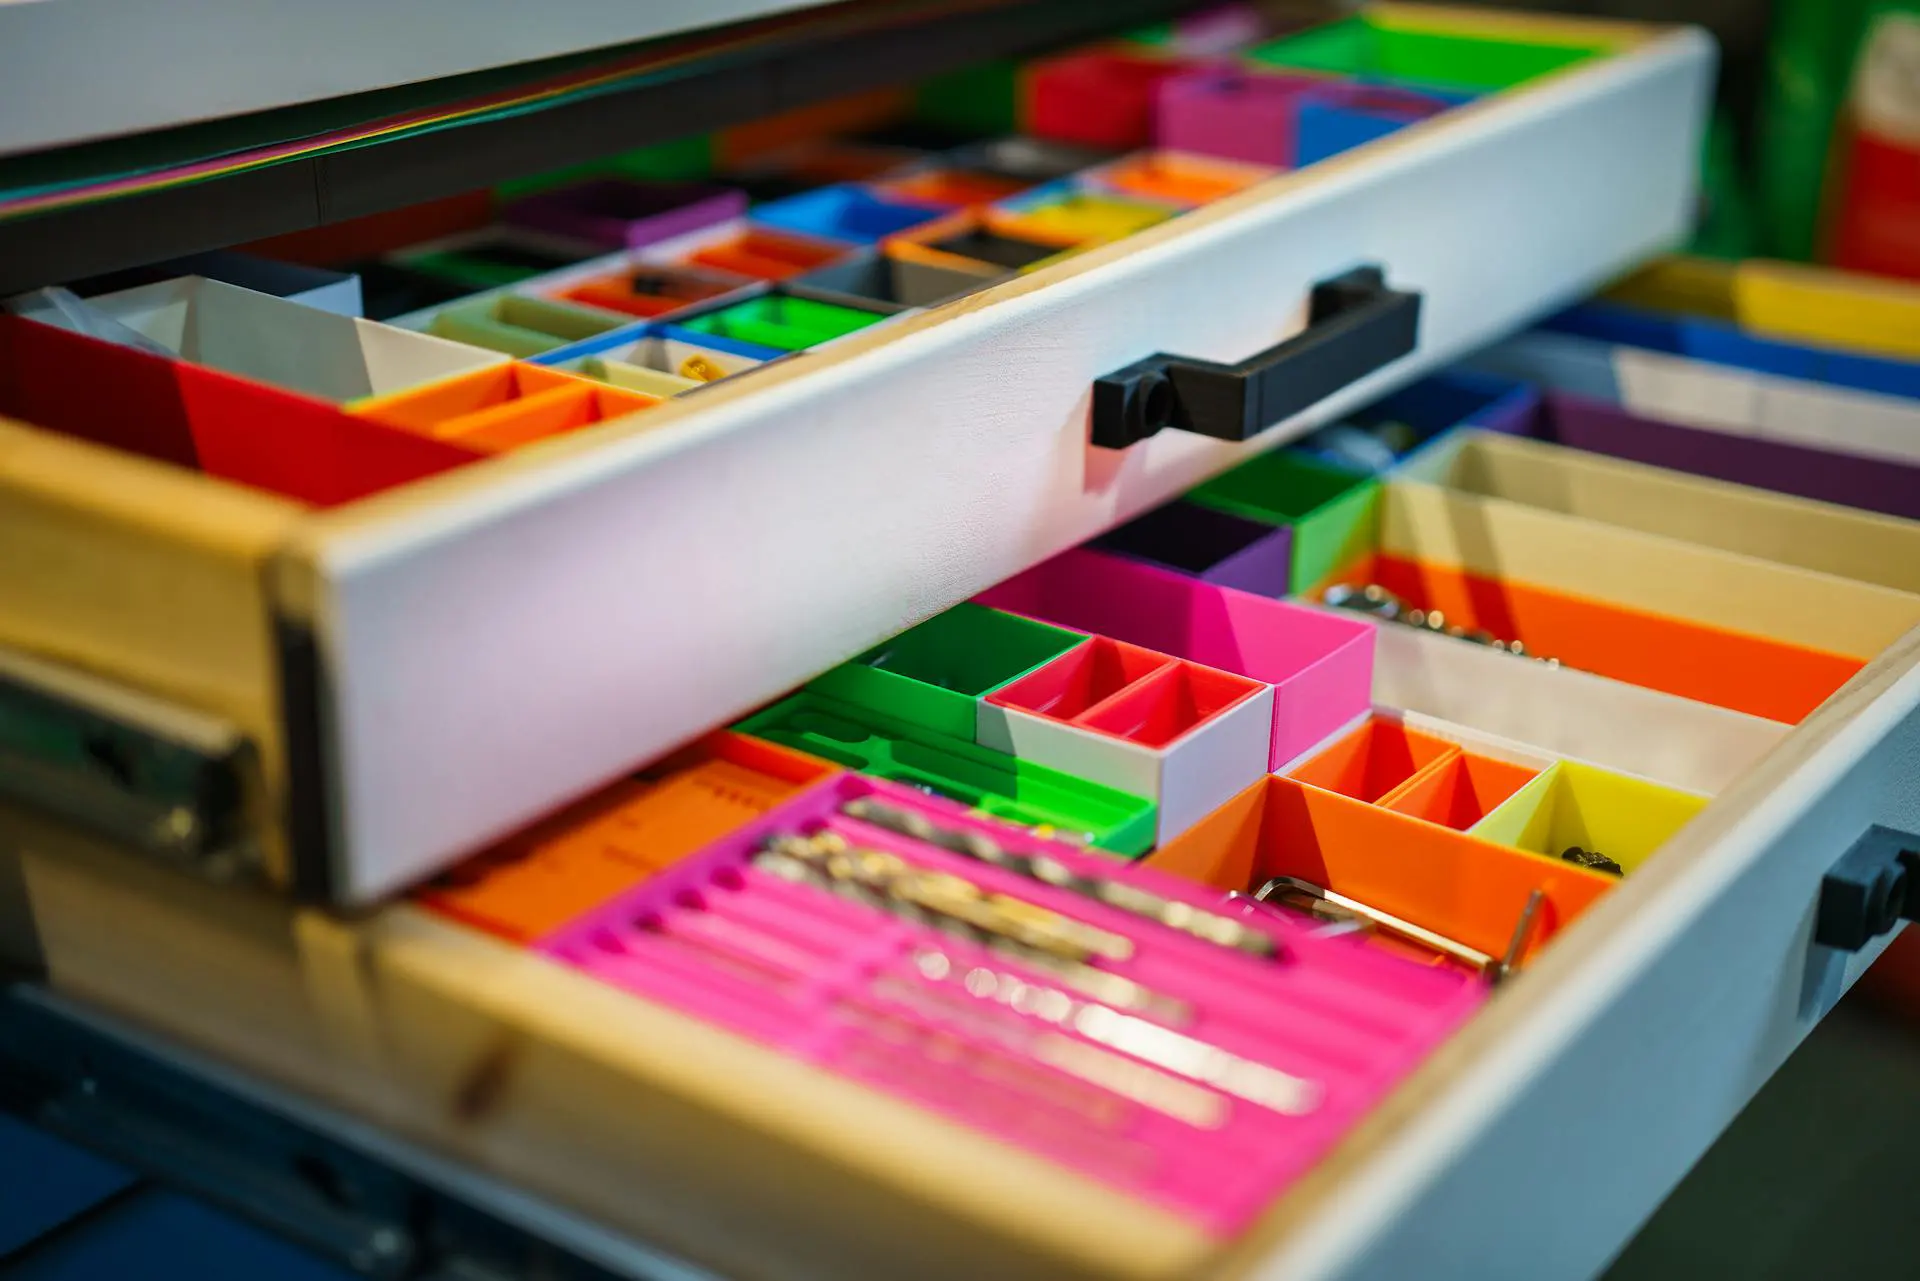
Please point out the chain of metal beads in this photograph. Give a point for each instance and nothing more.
(1377, 602)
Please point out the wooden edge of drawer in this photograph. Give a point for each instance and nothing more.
(1637, 44)
(652, 1121)
(150, 575)
(1402, 1149)
(593, 1084)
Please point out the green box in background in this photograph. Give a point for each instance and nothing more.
(1334, 515)
(982, 101)
(681, 160)
(1366, 46)
(935, 675)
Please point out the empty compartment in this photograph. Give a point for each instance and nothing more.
(1739, 671)
(504, 408)
(1022, 792)
(846, 213)
(1333, 512)
(976, 241)
(1233, 113)
(1374, 760)
(781, 321)
(885, 280)
(215, 423)
(1460, 791)
(282, 343)
(1069, 211)
(1573, 805)
(947, 187)
(1213, 546)
(1095, 97)
(389, 289)
(1030, 161)
(648, 291)
(1434, 51)
(1185, 737)
(759, 253)
(539, 417)
(540, 879)
(1469, 890)
(1081, 679)
(622, 213)
(1169, 704)
(495, 257)
(520, 325)
(934, 673)
(1320, 665)
(1176, 178)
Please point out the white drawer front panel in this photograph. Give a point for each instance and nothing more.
(520, 641)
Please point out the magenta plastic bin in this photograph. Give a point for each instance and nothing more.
(625, 213)
(1239, 115)
(1319, 664)
(1872, 484)
(882, 1000)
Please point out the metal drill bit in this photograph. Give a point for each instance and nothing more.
(1307, 897)
(1197, 922)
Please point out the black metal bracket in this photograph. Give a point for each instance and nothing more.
(163, 779)
(1874, 886)
(1355, 325)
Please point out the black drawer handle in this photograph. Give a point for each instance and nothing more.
(1355, 325)
(1874, 886)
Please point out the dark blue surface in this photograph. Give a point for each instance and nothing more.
(67, 1215)
(44, 1182)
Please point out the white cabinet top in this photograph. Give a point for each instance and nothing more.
(77, 70)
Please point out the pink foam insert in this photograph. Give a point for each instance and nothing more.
(919, 1013)
(1320, 665)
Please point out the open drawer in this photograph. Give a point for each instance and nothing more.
(420, 671)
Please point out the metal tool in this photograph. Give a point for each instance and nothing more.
(1171, 1051)
(1591, 859)
(1324, 904)
(1074, 970)
(1305, 896)
(1376, 601)
(1210, 927)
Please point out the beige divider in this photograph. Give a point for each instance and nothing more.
(1560, 712)
(1823, 537)
(1585, 557)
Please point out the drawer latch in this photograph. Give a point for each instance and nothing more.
(166, 780)
(1355, 325)
(1874, 886)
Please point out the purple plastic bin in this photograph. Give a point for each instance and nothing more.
(1213, 546)
(1871, 484)
(622, 213)
(1319, 664)
(1238, 115)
